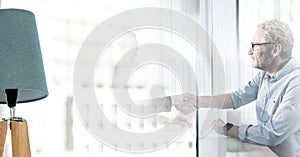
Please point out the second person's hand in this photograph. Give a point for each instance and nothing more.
(185, 103)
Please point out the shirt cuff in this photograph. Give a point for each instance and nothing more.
(233, 98)
(243, 132)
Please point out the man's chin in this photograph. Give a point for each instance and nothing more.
(255, 66)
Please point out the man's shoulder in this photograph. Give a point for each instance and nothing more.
(295, 73)
(293, 78)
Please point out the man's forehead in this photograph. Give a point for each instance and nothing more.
(259, 36)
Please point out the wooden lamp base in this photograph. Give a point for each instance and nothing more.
(20, 139)
(3, 130)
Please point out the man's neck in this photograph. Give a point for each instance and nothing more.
(276, 67)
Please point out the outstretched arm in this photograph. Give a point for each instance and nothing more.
(189, 102)
(222, 101)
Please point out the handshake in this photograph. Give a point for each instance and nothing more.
(185, 103)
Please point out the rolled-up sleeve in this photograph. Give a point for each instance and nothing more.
(243, 132)
(247, 93)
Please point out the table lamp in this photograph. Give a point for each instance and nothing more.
(22, 76)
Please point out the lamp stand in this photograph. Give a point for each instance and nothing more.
(3, 130)
(20, 138)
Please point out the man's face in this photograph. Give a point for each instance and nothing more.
(261, 51)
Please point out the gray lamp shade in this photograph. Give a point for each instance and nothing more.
(21, 64)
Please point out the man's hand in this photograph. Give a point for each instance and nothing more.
(185, 103)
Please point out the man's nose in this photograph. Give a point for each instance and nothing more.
(250, 52)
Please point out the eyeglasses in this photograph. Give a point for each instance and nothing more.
(254, 44)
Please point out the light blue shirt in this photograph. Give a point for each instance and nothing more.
(277, 109)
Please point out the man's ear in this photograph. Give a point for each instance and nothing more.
(277, 50)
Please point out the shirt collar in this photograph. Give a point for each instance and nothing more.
(289, 67)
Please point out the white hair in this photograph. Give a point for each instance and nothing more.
(279, 32)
